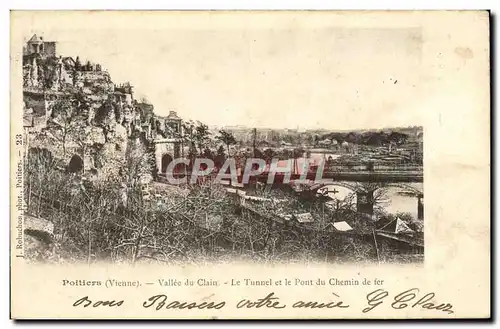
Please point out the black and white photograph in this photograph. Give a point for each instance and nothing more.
(185, 146)
(250, 164)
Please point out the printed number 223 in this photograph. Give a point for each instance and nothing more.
(19, 139)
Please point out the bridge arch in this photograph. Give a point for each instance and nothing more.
(366, 193)
(354, 187)
(362, 197)
(337, 191)
(413, 191)
(407, 188)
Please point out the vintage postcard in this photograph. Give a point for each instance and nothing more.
(250, 165)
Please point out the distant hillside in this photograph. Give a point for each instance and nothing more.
(375, 137)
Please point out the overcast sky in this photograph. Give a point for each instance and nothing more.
(330, 77)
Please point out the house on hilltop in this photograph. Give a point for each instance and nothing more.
(36, 45)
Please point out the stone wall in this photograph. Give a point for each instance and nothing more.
(171, 147)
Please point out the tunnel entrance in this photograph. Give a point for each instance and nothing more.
(165, 161)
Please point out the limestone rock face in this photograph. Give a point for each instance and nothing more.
(96, 135)
(38, 238)
(117, 134)
(74, 109)
(39, 226)
(35, 249)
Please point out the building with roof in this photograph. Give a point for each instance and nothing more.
(37, 45)
(170, 146)
(173, 124)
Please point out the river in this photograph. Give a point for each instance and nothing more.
(394, 199)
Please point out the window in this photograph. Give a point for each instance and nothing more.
(174, 126)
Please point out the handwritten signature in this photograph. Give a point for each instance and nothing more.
(410, 298)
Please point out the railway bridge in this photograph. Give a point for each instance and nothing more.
(365, 193)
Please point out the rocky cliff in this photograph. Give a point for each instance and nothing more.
(76, 110)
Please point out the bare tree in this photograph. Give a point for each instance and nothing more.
(139, 162)
(380, 193)
(66, 121)
(201, 136)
